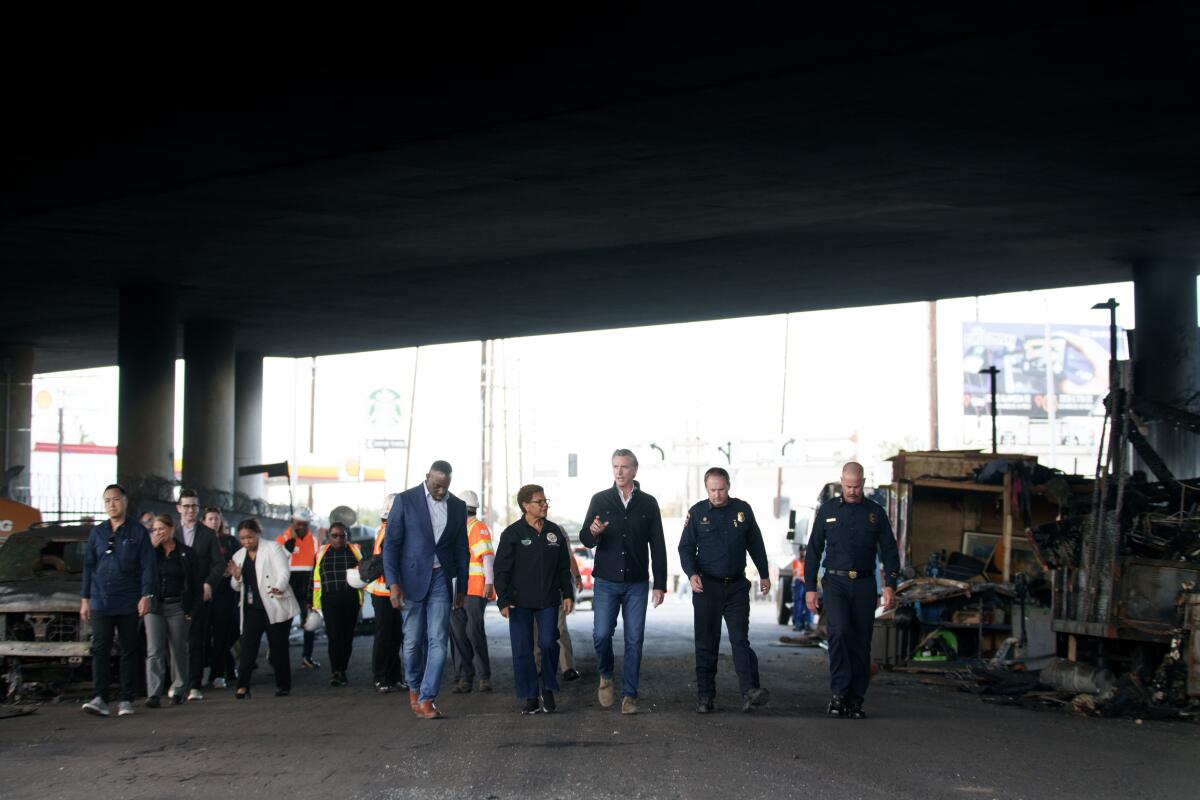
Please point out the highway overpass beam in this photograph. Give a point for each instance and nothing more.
(16, 415)
(1167, 353)
(146, 347)
(247, 423)
(208, 407)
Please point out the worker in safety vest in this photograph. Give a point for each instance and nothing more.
(301, 542)
(801, 616)
(386, 656)
(466, 624)
(338, 597)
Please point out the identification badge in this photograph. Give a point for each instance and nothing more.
(552, 538)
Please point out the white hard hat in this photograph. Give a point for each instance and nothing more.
(387, 505)
(354, 579)
(470, 498)
(303, 514)
(314, 622)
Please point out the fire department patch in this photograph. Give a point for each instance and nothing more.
(872, 518)
(552, 538)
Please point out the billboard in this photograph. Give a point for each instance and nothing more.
(1077, 357)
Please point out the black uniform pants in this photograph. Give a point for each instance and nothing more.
(254, 625)
(470, 640)
(301, 583)
(341, 617)
(125, 626)
(198, 643)
(731, 602)
(224, 633)
(850, 616)
(386, 660)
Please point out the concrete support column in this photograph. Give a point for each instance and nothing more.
(16, 415)
(1167, 353)
(247, 425)
(146, 348)
(208, 406)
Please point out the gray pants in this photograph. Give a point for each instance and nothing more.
(168, 624)
(470, 640)
(566, 654)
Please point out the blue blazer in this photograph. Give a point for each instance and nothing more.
(409, 548)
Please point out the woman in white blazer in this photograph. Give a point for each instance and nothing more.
(260, 574)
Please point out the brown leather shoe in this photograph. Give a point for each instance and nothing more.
(430, 711)
(413, 702)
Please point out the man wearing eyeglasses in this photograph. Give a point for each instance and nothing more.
(120, 575)
(624, 524)
(211, 565)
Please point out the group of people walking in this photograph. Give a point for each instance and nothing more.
(437, 570)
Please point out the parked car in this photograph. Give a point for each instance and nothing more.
(583, 557)
(42, 639)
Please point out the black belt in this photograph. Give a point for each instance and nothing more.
(172, 600)
(722, 580)
(852, 574)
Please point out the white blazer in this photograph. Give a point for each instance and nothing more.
(273, 568)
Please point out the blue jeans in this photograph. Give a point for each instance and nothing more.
(426, 631)
(520, 634)
(630, 598)
(801, 616)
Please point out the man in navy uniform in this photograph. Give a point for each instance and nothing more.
(717, 535)
(849, 531)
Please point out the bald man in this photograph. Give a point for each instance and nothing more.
(849, 531)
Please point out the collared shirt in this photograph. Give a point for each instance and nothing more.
(437, 517)
(621, 496)
(633, 541)
(533, 569)
(850, 535)
(189, 535)
(116, 577)
(716, 539)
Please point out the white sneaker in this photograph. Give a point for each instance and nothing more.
(195, 694)
(218, 683)
(125, 709)
(171, 693)
(96, 706)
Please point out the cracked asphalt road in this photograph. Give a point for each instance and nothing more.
(920, 741)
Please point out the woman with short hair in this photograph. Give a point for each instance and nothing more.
(169, 620)
(260, 574)
(533, 581)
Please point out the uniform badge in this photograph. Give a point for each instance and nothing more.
(552, 538)
(704, 520)
(741, 516)
(527, 542)
(872, 518)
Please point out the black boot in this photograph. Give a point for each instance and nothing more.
(837, 706)
(548, 704)
(704, 705)
(532, 706)
(854, 709)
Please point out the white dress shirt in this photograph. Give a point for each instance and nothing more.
(189, 535)
(621, 495)
(437, 516)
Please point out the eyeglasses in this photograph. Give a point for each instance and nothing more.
(189, 505)
(540, 503)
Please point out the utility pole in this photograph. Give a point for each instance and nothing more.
(992, 371)
(787, 320)
(60, 462)
(933, 376)
(412, 407)
(484, 478)
(312, 419)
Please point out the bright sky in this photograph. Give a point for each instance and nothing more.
(688, 388)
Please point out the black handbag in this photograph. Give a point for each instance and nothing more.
(371, 568)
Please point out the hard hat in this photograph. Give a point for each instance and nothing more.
(470, 498)
(314, 622)
(303, 514)
(354, 579)
(387, 505)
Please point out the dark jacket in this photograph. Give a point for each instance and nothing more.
(633, 537)
(115, 581)
(207, 554)
(532, 569)
(716, 539)
(191, 596)
(226, 547)
(850, 535)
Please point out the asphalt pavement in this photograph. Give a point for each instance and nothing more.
(920, 741)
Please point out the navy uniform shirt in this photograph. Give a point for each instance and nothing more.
(716, 539)
(850, 535)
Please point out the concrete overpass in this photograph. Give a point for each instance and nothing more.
(617, 172)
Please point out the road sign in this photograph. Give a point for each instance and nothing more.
(386, 444)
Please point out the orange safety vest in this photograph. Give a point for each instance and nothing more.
(798, 569)
(305, 554)
(378, 587)
(479, 540)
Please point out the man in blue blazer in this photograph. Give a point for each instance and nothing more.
(425, 563)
